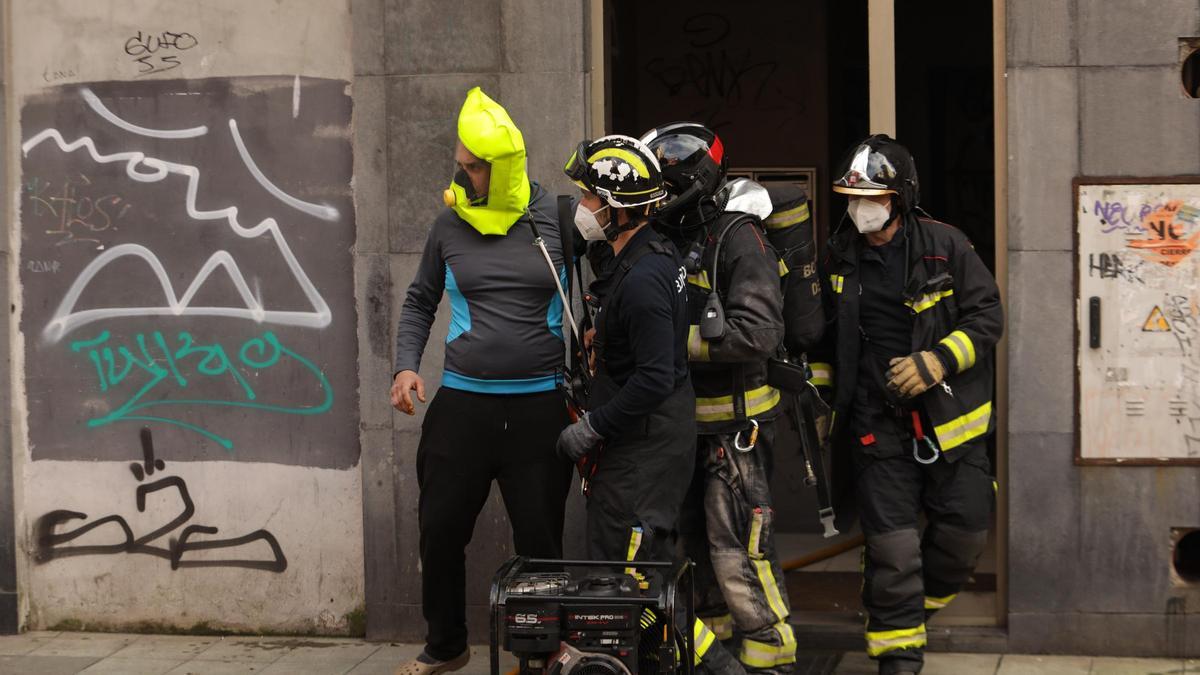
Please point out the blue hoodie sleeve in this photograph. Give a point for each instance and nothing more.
(420, 305)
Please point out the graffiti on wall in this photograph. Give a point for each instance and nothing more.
(1140, 388)
(52, 543)
(186, 265)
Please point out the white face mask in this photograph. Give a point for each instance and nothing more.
(868, 216)
(589, 226)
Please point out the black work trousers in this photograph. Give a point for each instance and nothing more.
(641, 477)
(467, 441)
(908, 575)
(635, 499)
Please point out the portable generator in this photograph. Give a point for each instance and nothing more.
(574, 617)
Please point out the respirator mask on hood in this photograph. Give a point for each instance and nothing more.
(462, 191)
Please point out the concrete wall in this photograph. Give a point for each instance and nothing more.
(9, 596)
(413, 63)
(1093, 89)
(182, 460)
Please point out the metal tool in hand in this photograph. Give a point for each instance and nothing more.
(792, 379)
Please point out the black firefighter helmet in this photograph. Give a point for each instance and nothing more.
(693, 164)
(878, 166)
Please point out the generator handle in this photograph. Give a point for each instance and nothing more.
(494, 593)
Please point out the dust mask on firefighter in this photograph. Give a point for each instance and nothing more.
(868, 216)
(587, 223)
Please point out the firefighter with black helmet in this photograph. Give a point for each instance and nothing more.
(736, 305)
(640, 399)
(915, 317)
(642, 411)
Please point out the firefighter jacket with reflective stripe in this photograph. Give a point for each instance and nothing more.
(956, 313)
(730, 373)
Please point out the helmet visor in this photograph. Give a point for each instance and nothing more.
(869, 173)
(577, 166)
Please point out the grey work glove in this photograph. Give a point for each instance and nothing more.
(577, 440)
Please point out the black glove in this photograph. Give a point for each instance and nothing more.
(577, 440)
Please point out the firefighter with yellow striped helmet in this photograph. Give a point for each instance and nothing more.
(907, 365)
(636, 441)
(624, 174)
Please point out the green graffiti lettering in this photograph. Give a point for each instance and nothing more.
(207, 360)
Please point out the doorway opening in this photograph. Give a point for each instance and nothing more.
(785, 85)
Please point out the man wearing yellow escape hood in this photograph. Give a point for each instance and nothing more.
(498, 413)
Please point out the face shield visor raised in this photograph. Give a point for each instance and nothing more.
(868, 173)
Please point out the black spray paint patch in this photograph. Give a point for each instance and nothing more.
(190, 270)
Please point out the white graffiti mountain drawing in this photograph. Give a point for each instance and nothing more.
(145, 169)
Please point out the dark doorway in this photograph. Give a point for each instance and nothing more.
(944, 111)
(756, 72)
(785, 85)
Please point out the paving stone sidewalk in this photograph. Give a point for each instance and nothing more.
(53, 653)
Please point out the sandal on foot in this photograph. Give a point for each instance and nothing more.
(425, 664)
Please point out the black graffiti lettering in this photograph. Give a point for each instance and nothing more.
(706, 29)
(49, 543)
(181, 41)
(145, 46)
(145, 61)
(181, 546)
(135, 45)
(1111, 266)
(146, 43)
(1106, 266)
(711, 70)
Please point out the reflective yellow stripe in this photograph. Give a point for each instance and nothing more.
(648, 618)
(783, 268)
(822, 374)
(718, 408)
(762, 655)
(635, 542)
(928, 300)
(962, 429)
(836, 281)
(758, 654)
(755, 533)
(702, 639)
(721, 626)
(880, 642)
(961, 346)
(766, 578)
(939, 603)
(622, 154)
(697, 346)
(782, 219)
(700, 280)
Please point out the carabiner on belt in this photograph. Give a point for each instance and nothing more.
(737, 439)
(919, 436)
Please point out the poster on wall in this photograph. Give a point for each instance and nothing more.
(1137, 276)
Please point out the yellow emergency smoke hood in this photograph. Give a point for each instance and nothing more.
(487, 131)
